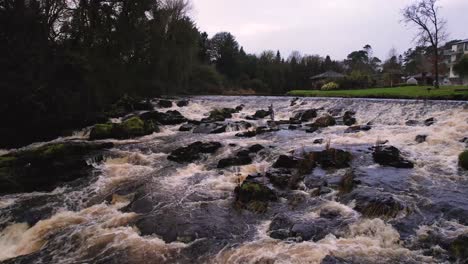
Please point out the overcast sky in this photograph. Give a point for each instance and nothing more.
(334, 27)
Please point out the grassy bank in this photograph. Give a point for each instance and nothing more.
(410, 92)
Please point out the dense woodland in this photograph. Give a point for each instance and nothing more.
(64, 63)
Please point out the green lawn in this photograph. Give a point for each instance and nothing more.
(409, 92)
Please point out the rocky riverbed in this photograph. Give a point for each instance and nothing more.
(215, 180)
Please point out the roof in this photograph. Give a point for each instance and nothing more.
(327, 75)
(461, 41)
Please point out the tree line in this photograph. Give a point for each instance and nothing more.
(64, 63)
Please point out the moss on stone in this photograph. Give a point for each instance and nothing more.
(101, 131)
(463, 160)
(257, 206)
(6, 161)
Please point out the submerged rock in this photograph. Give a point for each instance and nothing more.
(44, 168)
(193, 151)
(186, 127)
(168, 118)
(257, 131)
(210, 128)
(241, 158)
(333, 260)
(288, 228)
(430, 121)
(355, 129)
(130, 128)
(412, 123)
(254, 196)
(165, 103)
(463, 160)
(373, 203)
(390, 156)
(318, 141)
(420, 138)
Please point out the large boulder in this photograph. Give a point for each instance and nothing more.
(219, 115)
(306, 115)
(130, 128)
(193, 151)
(348, 118)
(168, 118)
(390, 156)
(325, 121)
(183, 103)
(463, 160)
(259, 114)
(164, 103)
(332, 158)
(284, 161)
(254, 195)
(46, 167)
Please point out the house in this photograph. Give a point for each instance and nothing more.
(319, 80)
(453, 55)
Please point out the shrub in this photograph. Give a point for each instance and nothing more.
(330, 86)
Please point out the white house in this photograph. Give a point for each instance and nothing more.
(459, 49)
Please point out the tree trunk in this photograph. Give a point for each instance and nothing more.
(436, 62)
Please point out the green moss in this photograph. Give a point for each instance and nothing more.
(6, 161)
(459, 247)
(52, 150)
(101, 131)
(463, 160)
(251, 187)
(257, 206)
(410, 92)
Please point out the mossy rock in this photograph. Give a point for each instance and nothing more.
(130, 128)
(325, 121)
(463, 160)
(45, 167)
(101, 131)
(459, 248)
(254, 196)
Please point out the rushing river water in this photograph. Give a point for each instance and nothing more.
(139, 207)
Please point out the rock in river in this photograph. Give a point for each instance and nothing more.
(44, 168)
(193, 151)
(254, 195)
(130, 128)
(390, 156)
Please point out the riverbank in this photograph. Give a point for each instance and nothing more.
(409, 92)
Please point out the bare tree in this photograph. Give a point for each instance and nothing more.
(431, 27)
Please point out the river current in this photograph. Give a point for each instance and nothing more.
(139, 207)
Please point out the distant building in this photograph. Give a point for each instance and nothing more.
(328, 76)
(451, 55)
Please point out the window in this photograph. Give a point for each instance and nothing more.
(466, 46)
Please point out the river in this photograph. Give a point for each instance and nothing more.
(139, 207)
